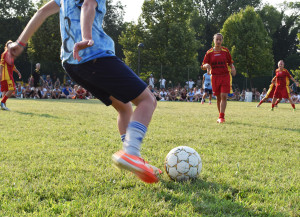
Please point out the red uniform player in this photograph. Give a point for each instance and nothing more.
(7, 68)
(282, 85)
(218, 60)
(270, 93)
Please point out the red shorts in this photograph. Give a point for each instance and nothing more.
(282, 92)
(7, 85)
(221, 84)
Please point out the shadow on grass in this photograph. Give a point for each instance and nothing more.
(210, 199)
(35, 114)
(264, 127)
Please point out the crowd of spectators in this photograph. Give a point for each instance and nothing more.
(50, 90)
(193, 92)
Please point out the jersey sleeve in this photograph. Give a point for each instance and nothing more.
(228, 57)
(206, 59)
(287, 74)
(58, 2)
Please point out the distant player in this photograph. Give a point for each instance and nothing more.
(282, 85)
(217, 60)
(270, 93)
(88, 56)
(7, 68)
(206, 83)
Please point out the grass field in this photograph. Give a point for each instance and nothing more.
(55, 159)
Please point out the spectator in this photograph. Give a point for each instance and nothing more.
(190, 83)
(151, 80)
(172, 94)
(19, 91)
(57, 83)
(81, 93)
(48, 82)
(163, 94)
(67, 92)
(190, 95)
(27, 92)
(56, 93)
(162, 82)
(199, 82)
(183, 95)
(263, 94)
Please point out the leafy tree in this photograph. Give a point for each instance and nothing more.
(210, 15)
(250, 45)
(114, 23)
(164, 29)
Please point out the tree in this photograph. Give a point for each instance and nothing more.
(209, 17)
(114, 24)
(250, 45)
(283, 29)
(169, 40)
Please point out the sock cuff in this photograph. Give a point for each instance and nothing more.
(137, 125)
(123, 137)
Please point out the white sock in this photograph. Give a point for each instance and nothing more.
(135, 134)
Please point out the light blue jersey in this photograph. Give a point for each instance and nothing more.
(71, 32)
(207, 81)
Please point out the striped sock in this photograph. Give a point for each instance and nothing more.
(123, 137)
(4, 99)
(135, 134)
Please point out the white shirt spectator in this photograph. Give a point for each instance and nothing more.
(162, 83)
(190, 83)
(151, 80)
(163, 95)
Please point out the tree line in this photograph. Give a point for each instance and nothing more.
(175, 35)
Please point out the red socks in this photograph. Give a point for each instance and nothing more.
(273, 105)
(293, 105)
(222, 115)
(260, 103)
(4, 99)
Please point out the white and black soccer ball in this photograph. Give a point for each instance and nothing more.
(183, 163)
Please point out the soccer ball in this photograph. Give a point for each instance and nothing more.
(183, 163)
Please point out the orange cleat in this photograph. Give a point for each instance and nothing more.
(144, 171)
(221, 120)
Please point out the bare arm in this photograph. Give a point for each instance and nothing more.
(296, 82)
(233, 71)
(87, 16)
(36, 21)
(17, 71)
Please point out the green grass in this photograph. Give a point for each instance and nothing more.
(55, 159)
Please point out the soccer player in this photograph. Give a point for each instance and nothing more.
(7, 68)
(206, 83)
(282, 85)
(270, 93)
(88, 56)
(217, 60)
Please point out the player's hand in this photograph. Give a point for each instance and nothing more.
(15, 49)
(80, 46)
(233, 71)
(20, 76)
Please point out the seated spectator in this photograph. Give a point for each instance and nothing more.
(19, 91)
(27, 92)
(183, 95)
(172, 94)
(47, 93)
(190, 95)
(257, 95)
(81, 93)
(263, 94)
(236, 95)
(243, 95)
(48, 82)
(57, 83)
(163, 94)
(56, 93)
(67, 92)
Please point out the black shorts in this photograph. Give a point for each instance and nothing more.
(209, 91)
(105, 77)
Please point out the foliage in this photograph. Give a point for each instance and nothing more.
(209, 17)
(56, 161)
(250, 45)
(168, 39)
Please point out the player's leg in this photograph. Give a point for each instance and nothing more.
(4, 99)
(278, 101)
(292, 103)
(202, 101)
(223, 104)
(210, 96)
(261, 101)
(124, 115)
(219, 99)
(273, 103)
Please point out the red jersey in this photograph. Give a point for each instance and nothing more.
(218, 60)
(7, 62)
(282, 77)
